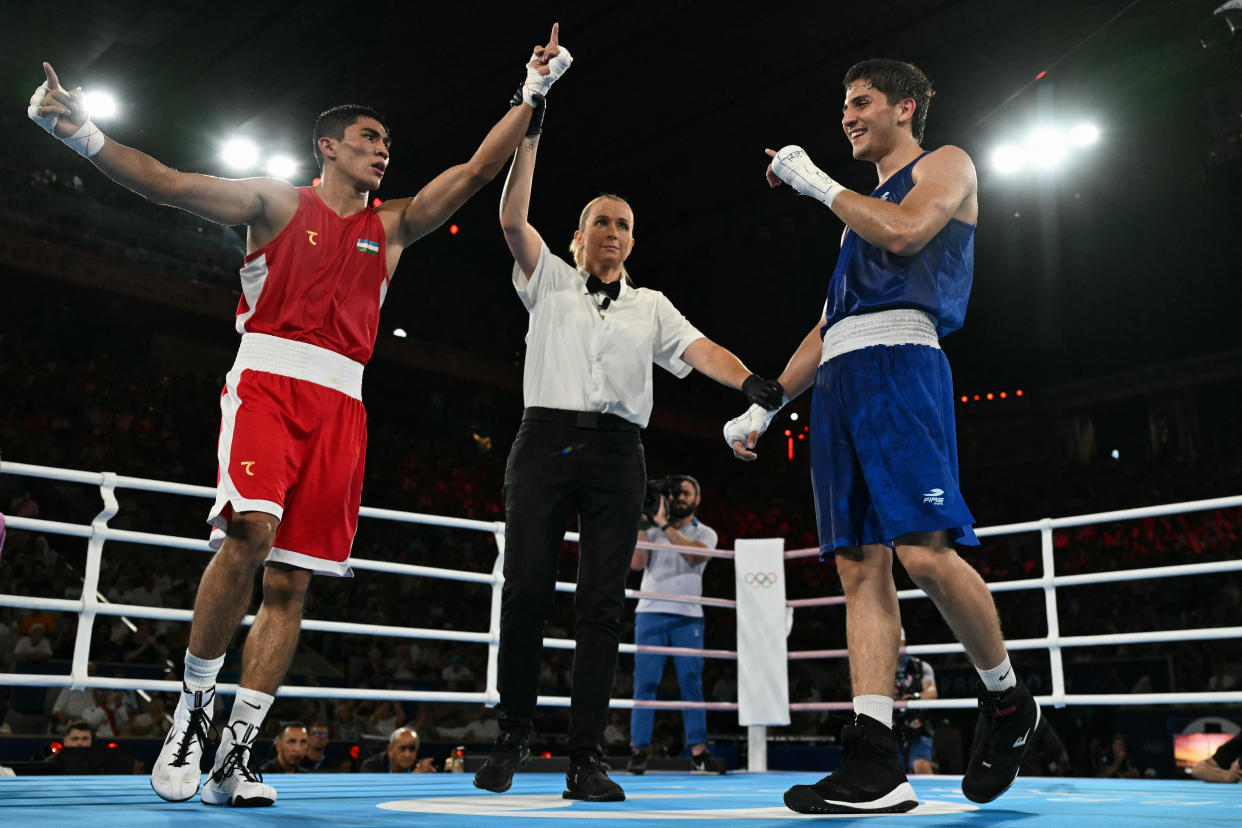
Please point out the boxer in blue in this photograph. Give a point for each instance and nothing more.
(883, 444)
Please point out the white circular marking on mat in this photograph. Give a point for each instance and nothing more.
(551, 806)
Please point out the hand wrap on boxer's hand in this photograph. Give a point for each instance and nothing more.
(756, 419)
(793, 166)
(538, 83)
(86, 141)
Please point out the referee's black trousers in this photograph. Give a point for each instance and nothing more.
(562, 464)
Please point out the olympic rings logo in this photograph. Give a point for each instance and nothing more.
(760, 580)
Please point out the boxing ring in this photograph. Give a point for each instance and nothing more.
(751, 798)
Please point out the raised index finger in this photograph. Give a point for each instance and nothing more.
(552, 44)
(53, 82)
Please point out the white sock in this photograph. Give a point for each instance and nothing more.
(249, 710)
(999, 678)
(200, 673)
(879, 708)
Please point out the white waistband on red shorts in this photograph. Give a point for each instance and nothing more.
(299, 360)
(901, 326)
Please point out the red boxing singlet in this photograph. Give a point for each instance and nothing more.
(320, 281)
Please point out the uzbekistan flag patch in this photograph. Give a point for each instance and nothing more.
(368, 246)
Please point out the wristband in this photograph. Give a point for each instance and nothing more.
(536, 118)
(760, 391)
(87, 141)
(666, 527)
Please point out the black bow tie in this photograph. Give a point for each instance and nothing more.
(610, 289)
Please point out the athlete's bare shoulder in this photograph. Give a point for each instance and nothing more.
(950, 171)
(946, 159)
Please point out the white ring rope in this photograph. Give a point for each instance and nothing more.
(99, 533)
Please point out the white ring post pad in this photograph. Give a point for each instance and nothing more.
(762, 660)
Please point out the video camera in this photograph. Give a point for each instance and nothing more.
(664, 489)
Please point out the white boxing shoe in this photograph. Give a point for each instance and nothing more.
(176, 773)
(232, 782)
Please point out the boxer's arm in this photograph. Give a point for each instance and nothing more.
(227, 201)
(943, 182)
(800, 371)
(445, 193)
(249, 201)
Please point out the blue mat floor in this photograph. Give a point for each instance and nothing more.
(655, 799)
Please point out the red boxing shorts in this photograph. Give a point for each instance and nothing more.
(293, 436)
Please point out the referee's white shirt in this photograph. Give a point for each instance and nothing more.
(581, 358)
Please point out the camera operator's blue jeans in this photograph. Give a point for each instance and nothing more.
(658, 629)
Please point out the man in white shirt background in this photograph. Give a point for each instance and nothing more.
(671, 623)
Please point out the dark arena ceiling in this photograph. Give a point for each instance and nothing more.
(1125, 256)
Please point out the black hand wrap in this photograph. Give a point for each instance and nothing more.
(536, 118)
(766, 393)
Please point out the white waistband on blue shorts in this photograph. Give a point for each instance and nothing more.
(901, 326)
(299, 360)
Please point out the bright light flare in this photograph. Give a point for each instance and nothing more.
(282, 166)
(1008, 159)
(101, 105)
(399, 333)
(240, 154)
(1084, 135)
(1046, 148)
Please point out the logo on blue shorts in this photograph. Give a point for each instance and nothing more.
(935, 497)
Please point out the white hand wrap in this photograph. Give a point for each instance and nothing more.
(756, 419)
(794, 167)
(539, 84)
(48, 122)
(86, 141)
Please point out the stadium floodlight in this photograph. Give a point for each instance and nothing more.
(1008, 159)
(1084, 134)
(1046, 148)
(282, 166)
(101, 105)
(240, 154)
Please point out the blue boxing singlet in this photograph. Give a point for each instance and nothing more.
(937, 279)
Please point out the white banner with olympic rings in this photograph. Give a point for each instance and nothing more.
(762, 666)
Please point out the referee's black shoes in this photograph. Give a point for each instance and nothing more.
(509, 753)
(1003, 734)
(588, 779)
(869, 781)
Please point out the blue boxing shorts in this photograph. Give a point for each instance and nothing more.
(884, 448)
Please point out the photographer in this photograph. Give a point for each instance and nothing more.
(669, 509)
(915, 679)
